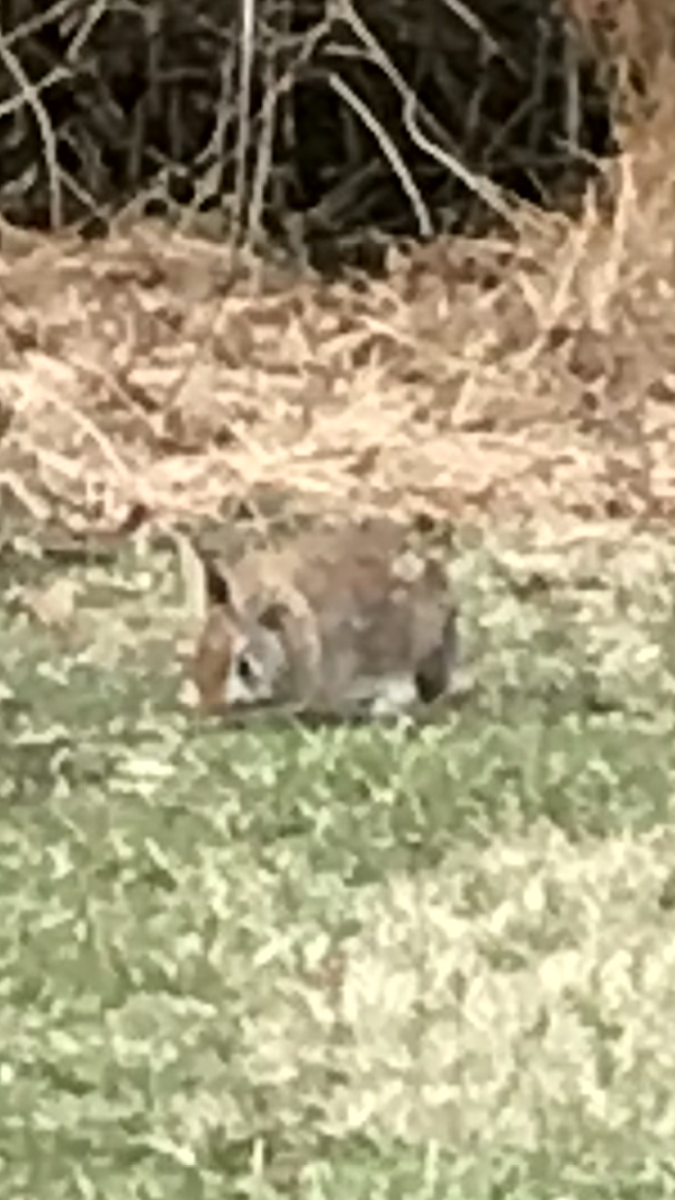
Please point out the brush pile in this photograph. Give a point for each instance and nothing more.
(319, 121)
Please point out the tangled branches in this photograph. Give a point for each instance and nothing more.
(311, 118)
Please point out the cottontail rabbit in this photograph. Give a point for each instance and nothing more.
(334, 621)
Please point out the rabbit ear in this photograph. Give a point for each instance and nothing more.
(275, 616)
(218, 590)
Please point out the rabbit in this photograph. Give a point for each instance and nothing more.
(333, 621)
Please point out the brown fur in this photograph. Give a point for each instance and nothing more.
(344, 604)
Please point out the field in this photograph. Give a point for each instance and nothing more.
(432, 962)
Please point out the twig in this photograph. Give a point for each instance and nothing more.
(246, 59)
(390, 151)
(483, 188)
(30, 97)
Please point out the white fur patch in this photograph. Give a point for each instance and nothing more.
(385, 694)
(395, 694)
(408, 567)
(267, 663)
(239, 691)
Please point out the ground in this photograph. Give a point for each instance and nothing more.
(430, 961)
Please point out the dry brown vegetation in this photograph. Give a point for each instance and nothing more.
(534, 371)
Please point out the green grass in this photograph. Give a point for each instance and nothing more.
(344, 964)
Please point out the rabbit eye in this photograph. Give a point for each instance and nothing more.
(245, 669)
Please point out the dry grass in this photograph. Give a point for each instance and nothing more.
(487, 377)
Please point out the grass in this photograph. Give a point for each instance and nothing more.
(346, 963)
